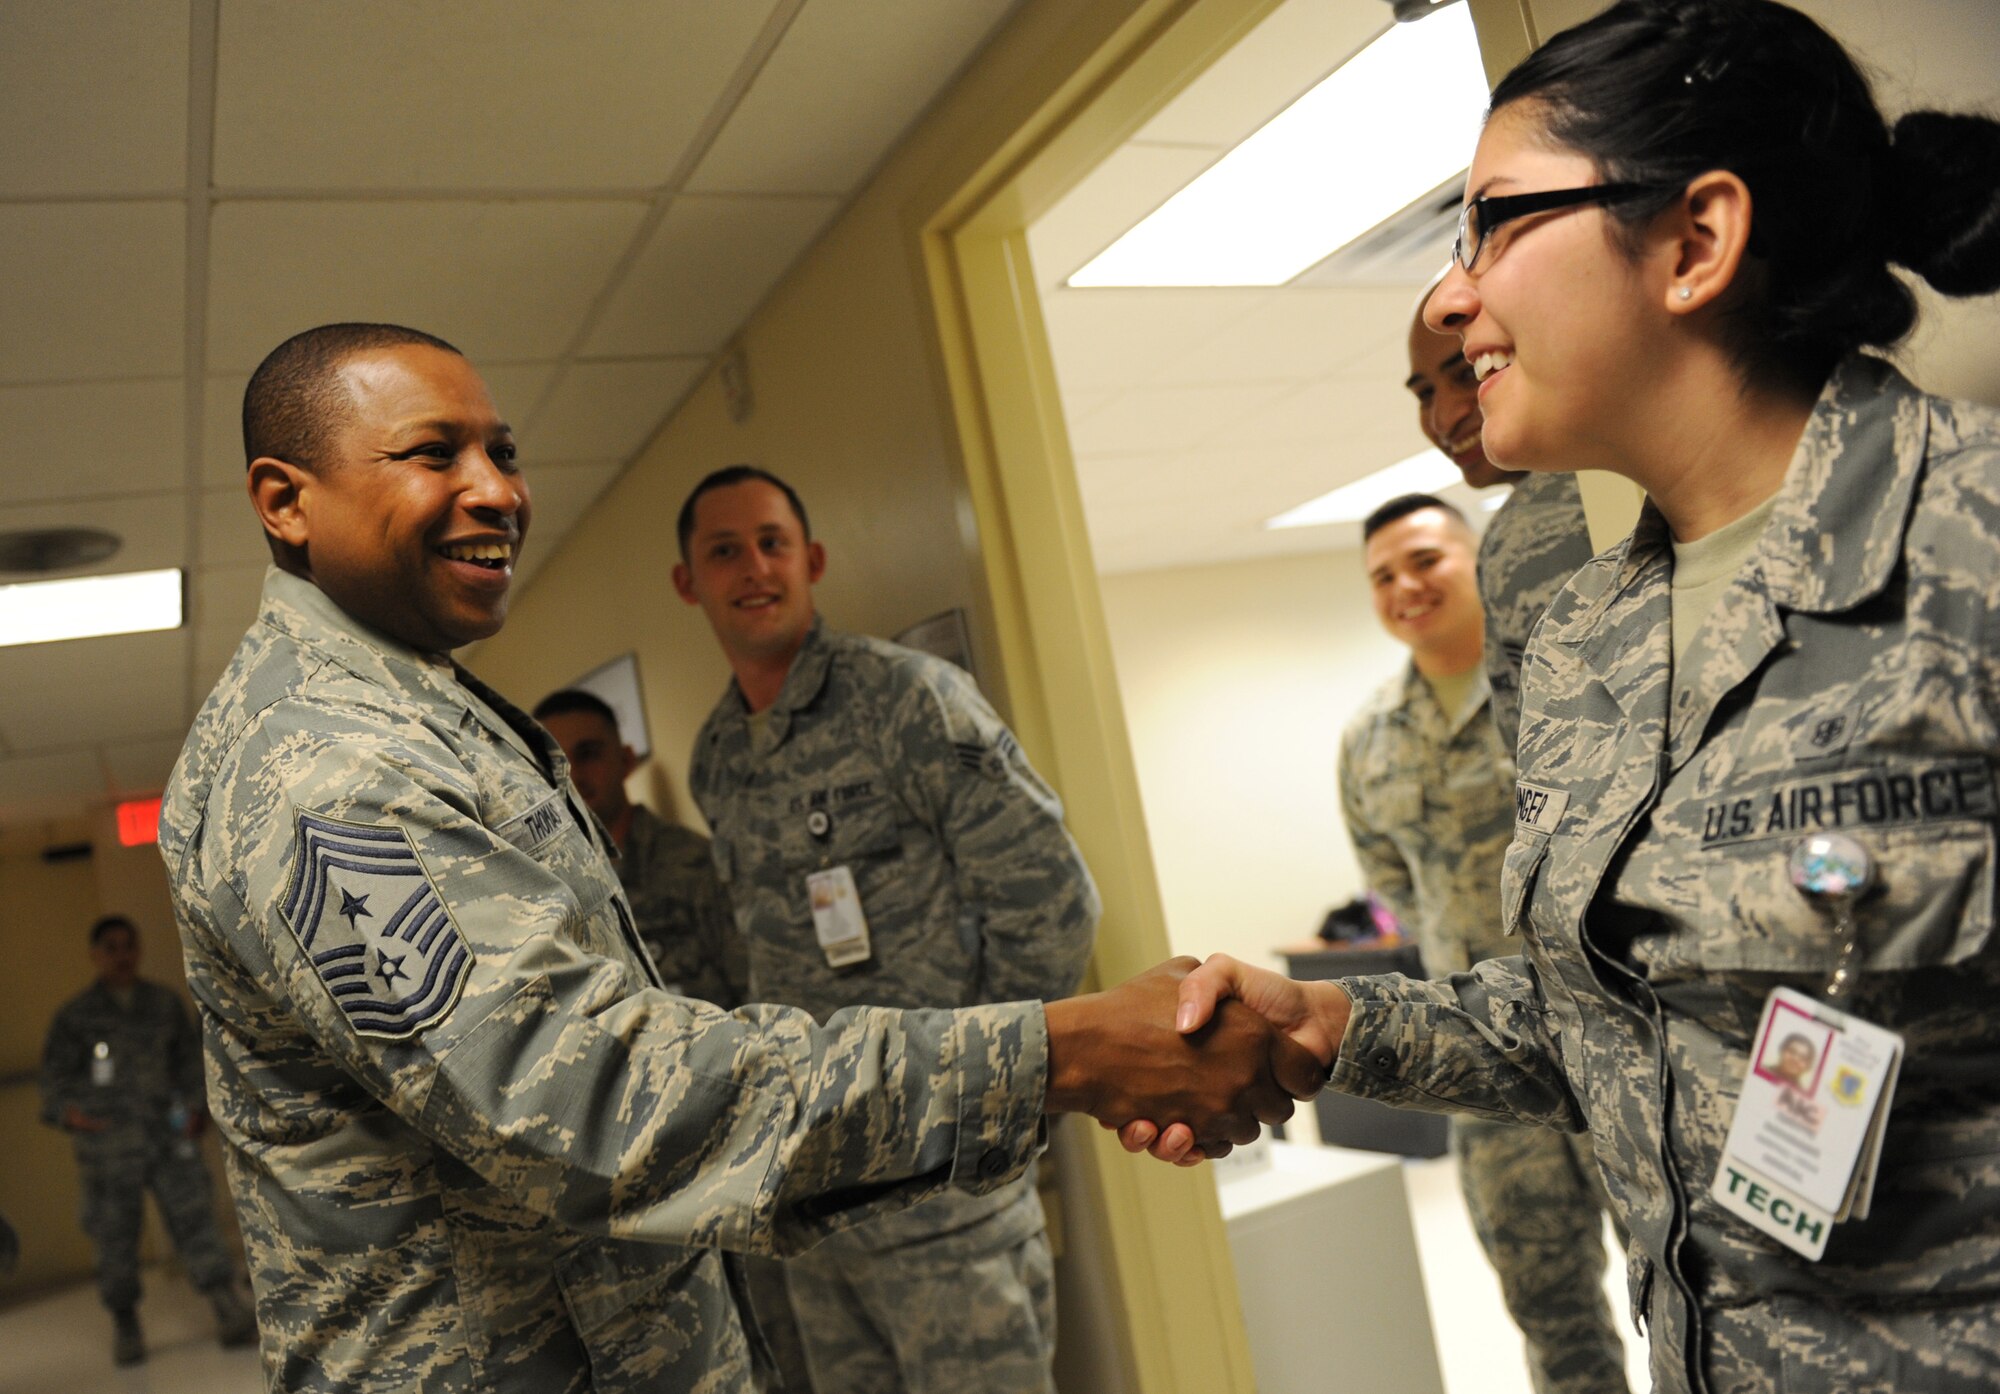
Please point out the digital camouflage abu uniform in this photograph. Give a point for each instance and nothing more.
(1429, 804)
(682, 912)
(472, 1146)
(137, 1068)
(890, 763)
(1536, 542)
(683, 918)
(1849, 679)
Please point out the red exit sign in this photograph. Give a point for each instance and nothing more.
(139, 822)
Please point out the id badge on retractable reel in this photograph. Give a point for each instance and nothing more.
(1807, 1136)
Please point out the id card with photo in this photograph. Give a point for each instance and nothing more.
(1808, 1128)
(838, 919)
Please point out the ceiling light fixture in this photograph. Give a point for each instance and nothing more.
(1350, 503)
(1385, 128)
(87, 607)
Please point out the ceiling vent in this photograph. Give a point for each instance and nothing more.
(1407, 250)
(55, 549)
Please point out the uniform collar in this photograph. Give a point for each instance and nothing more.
(1836, 531)
(803, 681)
(295, 606)
(1420, 697)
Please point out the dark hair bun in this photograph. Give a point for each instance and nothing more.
(1941, 202)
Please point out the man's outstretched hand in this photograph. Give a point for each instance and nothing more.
(1313, 1015)
(1123, 1055)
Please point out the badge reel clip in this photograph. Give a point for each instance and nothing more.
(1834, 872)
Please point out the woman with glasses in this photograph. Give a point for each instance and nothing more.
(1759, 737)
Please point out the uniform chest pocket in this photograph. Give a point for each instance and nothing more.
(548, 831)
(1932, 904)
(1397, 803)
(854, 833)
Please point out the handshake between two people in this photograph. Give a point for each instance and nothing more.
(1189, 1059)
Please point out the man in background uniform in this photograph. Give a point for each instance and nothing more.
(473, 1145)
(684, 920)
(885, 842)
(1428, 794)
(681, 910)
(121, 1074)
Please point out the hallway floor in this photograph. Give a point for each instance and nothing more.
(61, 1344)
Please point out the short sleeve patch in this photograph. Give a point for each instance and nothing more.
(373, 926)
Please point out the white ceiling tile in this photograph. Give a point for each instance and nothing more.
(509, 281)
(1338, 415)
(1130, 183)
(48, 786)
(1306, 333)
(140, 767)
(153, 528)
(126, 687)
(79, 440)
(705, 268)
(93, 98)
(608, 411)
(91, 290)
(562, 494)
(847, 79)
(1273, 65)
(1124, 338)
(1166, 418)
(505, 94)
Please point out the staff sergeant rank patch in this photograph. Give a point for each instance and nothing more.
(373, 926)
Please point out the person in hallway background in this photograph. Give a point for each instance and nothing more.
(885, 842)
(683, 918)
(121, 1074)
(1536, 541)
(1427, 792)
(474, 1147)
(1679, 260)
(680, 909)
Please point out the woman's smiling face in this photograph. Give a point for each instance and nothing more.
(1556, 319)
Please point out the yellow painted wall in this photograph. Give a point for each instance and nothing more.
(1237, 680)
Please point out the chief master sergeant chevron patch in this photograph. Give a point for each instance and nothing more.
(373, 926)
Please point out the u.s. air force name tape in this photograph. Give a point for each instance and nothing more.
(373, 926)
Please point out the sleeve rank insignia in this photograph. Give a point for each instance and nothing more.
(373, 926)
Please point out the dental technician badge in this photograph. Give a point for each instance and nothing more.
(373, 926)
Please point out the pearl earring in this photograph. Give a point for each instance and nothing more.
(1687, 292)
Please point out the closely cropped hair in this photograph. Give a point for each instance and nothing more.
(109, 923)
(737, 474)
(1402, 506)
(294, 400)
(569, 700)
(1656, 92)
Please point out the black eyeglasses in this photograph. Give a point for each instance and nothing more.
(1478, 219)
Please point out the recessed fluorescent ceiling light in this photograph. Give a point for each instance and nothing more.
(136, 602)
(1384, 129)
(1350, 503)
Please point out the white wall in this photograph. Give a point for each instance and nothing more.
(1237, 681)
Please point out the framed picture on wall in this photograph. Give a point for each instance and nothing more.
(617, 683)
(944, 635)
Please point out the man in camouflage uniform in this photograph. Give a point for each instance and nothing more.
(683, 918)
(681, 910)
(839, 755)
(121, 1074)
(1427, 792)
(1536, 541)
(473, 1145)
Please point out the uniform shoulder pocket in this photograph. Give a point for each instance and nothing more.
(1523, 865)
